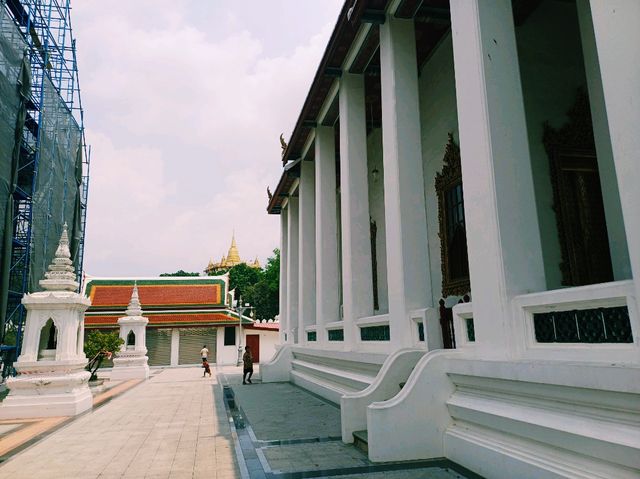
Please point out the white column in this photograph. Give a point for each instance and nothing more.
(307, 250)
(66, 347)
(175, 346)
(617, 34)
(356, 244)
(606, 167)
(404, 201)
(292, 268)
(282, 310)
(327, 269)
(503, 238)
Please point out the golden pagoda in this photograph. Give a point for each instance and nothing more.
(232, 259)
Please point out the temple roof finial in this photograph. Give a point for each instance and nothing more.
(61, 275)
(134, 309)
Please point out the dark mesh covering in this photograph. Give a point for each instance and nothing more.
(40, 164)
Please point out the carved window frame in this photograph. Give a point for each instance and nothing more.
(572, 142)
(449, 177)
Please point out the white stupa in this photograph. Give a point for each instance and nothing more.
(51, 379)
(131, 361)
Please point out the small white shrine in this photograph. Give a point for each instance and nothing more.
(131, 361)
(51, 379)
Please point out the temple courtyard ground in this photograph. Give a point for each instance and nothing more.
(180, 425)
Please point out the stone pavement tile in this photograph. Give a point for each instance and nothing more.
(173, 425)
(314, 456)
(31, 428)
(5, 428)
(300, 416)
(422, 473)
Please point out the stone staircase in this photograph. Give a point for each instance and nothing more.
(361, 438)
(361, 441)
(331, 374)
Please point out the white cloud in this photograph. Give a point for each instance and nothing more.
(184, 129)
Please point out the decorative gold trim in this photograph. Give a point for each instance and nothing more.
(450, 176)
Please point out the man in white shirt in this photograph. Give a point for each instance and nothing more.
(204, 352)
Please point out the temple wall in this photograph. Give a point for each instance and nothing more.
(229, 354)
(226, 354)
(552, 70)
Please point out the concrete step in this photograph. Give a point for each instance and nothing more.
(361, 440)
(347, 380)
(328, 381)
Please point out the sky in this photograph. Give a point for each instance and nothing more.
(184, 104)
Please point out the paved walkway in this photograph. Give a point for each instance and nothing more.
(168, 427)
(180, 425)
(285, 432)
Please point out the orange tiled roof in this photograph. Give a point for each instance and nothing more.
(162, 319)
(265, 326)
(116, 294)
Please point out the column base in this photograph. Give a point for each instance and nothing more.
(130, 365)
(47, 395)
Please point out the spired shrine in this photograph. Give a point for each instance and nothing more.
(131, 361)
(51, 378)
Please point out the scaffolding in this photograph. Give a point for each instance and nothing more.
(52, 170)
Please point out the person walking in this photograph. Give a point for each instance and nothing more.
(207, 369)
(247, 361)
(204, 352)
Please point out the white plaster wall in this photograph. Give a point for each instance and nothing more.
(229, 354)
(225, 354)
(376, 211)
(552, 69)
(268, 341)
(438, 114)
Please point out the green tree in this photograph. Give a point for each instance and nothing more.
(180, 273)
(272, 269)
(241, 277)
(258, 287)
(98, 346)
(218, 272)
(264, 294)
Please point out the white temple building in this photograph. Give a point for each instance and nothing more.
(460, 219)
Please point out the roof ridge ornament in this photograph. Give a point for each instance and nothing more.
(61, 275)
(283, 144)
(135, 308)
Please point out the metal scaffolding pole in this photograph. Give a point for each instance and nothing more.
(47, 194)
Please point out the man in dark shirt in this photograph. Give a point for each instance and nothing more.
(247, 360)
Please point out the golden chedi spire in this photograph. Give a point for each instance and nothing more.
(233, 257)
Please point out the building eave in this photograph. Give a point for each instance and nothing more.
(353, 12)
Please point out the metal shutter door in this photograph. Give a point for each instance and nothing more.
(159, 346)
(191, 341)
